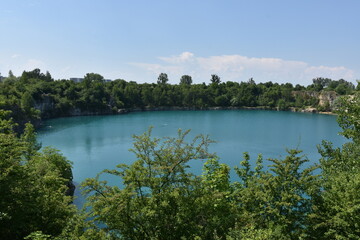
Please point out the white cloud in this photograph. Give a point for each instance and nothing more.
(65, 69)
(18, 63)
(336, 72)
(241, 68)
(31, 64)
(158, 68)
(182, 58)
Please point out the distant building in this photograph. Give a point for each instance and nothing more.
(1, 78)
(77, 80)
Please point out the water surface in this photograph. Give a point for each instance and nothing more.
(95, 143)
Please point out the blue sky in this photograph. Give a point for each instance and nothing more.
(279, 40)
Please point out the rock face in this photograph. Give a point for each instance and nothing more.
(304, 94)
(78, 112)
(327, 97)
(46, 106)
(71, 189)
(309, 110)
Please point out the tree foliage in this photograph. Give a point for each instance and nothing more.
(215, 79)
(162, 79)
(36, 95)
(186, 80)
(33, 186)
(349, 117)
(159, 197)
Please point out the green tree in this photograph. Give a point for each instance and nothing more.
(337, 209)
(162, 79)
(158, 199)
(321, 82)
(29, 138)
(11, 75)
(48, 76)
(348, 117)
(147, 95)
(185, 80)
(276, 202)
(27, 102)
(93, 95)
(34, 74)
(92, 78)
(222, 100)
(33, 186)
(215, 79)
(217, 210)
(282, 104)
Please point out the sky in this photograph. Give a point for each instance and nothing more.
(136, 40)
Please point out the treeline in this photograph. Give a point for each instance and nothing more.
(35, 94)
(158, 198)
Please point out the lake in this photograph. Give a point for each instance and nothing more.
(95, 143)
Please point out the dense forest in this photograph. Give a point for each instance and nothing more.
(159, 198)
(35, 95)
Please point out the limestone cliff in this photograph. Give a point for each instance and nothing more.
(323, 101)
(46, 106)
(327, 97)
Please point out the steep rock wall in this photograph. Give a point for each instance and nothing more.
(325, 98)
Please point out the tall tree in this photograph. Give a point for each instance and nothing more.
(215, 79)
(10, 75)
(162, 79)
(186, 80)
(90, 78)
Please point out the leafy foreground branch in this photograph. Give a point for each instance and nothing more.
(34, 193)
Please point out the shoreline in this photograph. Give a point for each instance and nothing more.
(79, 113)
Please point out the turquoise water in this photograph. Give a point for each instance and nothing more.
(101, 142)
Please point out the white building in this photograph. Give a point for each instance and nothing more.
(77, 80)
